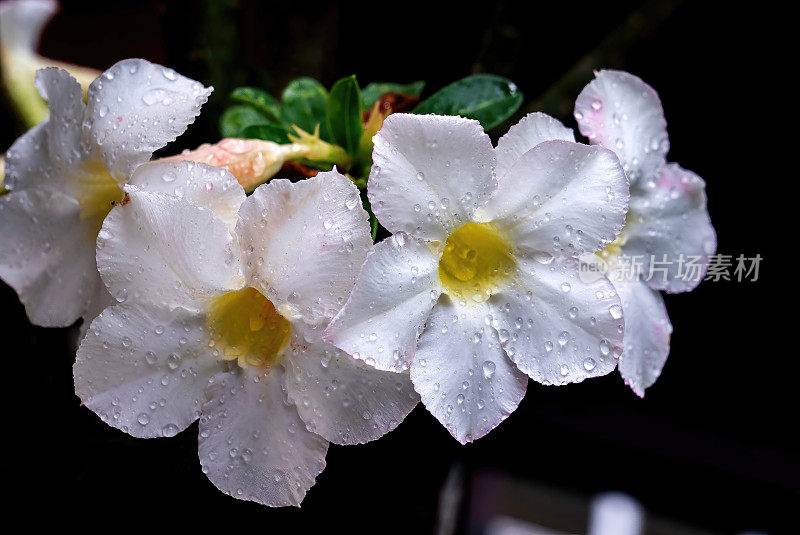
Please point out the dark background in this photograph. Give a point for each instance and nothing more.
(712, 445)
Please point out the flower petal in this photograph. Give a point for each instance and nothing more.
(430, 172)
(253, 445)
(47, 255)
(395, 292)
(143, 369)
(668, 226)
(647, 334)
(557, 328)
(167, 251)
(137, 107)
(65, 97)
(561, 197)
(202, 184)
(28, 162)
(341, 399)
(533, 129)
(304, 243)
(621, 112)
(463, 375)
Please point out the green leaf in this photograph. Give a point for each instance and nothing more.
(343, 114)
(374, 91)
(304, 101)
(373, 221)
(236, 118)
(488, 98)
(260, 100)
(267, 132)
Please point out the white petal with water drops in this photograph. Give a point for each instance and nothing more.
(164, 250)
(143, 369)
(462, 373)
(47, 256)
(647, 334)
(396, 290)
(429, 174)
(669, 223)
(533, 129)
(252, 444)
(557, 328)
(561, 198)
(621, 112)
(344, 400)
(199, 183)
(304, 243)
(135, 108)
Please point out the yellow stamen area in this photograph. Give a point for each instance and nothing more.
(476, 262)
(245, 326)
(613, 249)
(97, 192)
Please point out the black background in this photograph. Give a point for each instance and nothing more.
(712, 445)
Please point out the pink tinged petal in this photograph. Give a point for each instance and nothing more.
(669, 228)
(160, 249)
(47, 255)
(253, 445)
(65, 97)
(561, 198)
(143, 370)
(557, 328)
(647, 334)
(430, 173)
(304, 243)
(619, 111)
(393, 296)
(137, 107)
(463, 375)
(199, 183)
(341, 399)
(533, 129)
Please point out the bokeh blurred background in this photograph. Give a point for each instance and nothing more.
(712, 446)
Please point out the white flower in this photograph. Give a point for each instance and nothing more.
(66, 173)
(479, 285)
(668, 220)
(226, 301)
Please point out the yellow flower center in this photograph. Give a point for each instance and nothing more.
(97, 192)
(476, 261)
(244, 325)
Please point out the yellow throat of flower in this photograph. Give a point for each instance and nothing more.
(476, 262)
(245, 326)
(97, 192)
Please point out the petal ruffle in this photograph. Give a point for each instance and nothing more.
(395, 292)
(647, 334)
(561, 198)
(167, 251)
(669, 230)
(202, 184)
(304, 243)
(253, 445)
(344, 400)
(47, 255)
(144, 370)
(533, 129)
(463, 375)
(135, 108)
(65, 97)
(621, 112)
(430, 173)
(557, 328)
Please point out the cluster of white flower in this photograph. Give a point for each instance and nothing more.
(274, 320)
